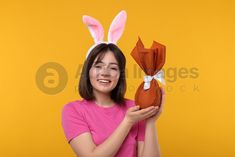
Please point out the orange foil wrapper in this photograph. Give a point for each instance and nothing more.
(151, 62)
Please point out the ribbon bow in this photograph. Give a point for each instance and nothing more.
(158, 76)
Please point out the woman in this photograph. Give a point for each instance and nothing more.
(104, 123)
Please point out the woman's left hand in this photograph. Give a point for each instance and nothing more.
(158, 111)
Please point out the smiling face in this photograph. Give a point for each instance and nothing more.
(104, 74)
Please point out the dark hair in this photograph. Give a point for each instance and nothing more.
(85, 87)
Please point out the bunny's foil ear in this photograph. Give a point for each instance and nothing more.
(117, 27)
(95, 28)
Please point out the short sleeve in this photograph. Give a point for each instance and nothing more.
(141, 131)
(73, 122)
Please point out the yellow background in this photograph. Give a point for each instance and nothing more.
(198, 34)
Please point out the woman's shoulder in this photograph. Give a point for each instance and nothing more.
(73, 105)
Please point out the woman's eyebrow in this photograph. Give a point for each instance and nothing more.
(97, 62)
(113, 63)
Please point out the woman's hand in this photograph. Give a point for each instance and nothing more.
(159, 110)
(134, 114)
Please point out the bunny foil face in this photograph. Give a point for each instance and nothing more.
(97, 32)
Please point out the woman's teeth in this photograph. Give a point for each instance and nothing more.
(104, 81)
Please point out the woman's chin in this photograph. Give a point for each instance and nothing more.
(104, 89)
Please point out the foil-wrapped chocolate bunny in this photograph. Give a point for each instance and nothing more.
(151, 62)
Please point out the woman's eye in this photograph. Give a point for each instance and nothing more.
(114, 68)
(97, 66)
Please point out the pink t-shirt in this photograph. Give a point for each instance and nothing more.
(85, 116)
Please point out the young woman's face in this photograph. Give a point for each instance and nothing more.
(104, 75)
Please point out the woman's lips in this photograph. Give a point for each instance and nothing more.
(104, 81)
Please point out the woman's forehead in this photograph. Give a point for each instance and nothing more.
(107, 58)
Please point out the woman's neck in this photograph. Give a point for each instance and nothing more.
(103, 99)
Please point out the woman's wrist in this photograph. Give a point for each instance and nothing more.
(127, 122)
(150, 122)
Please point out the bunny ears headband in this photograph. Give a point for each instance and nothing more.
(97, 32)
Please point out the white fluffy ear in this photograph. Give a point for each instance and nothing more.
(117, 27)
(95, 28)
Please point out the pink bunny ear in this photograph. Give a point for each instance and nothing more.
(95, 28)
(117, 27)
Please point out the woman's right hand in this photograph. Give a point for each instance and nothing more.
(134, 114)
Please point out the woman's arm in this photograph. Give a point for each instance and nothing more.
(83, 146)
(151, 146)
